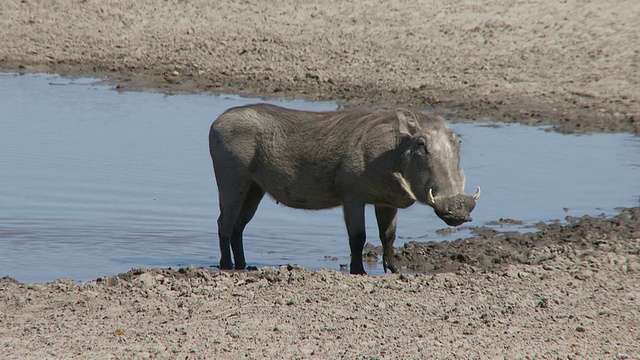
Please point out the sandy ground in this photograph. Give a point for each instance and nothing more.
(573, 64)
(564, 291)
(570, 292)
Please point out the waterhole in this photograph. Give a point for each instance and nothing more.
(94, 182)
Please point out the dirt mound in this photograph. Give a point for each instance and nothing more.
(494, 250)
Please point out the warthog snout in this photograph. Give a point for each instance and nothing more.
(454, 210)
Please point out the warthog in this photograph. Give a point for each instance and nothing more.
(320, 160)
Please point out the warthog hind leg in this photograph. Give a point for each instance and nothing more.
(249, 207)
(237, 207)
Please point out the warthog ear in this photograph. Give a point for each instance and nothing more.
(407, 122)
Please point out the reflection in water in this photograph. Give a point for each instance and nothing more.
(94, 182)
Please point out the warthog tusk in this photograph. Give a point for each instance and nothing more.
(432, 200)
(476, 196)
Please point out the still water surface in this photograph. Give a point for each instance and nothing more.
(94, 182)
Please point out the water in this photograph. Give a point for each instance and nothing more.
(94, 182)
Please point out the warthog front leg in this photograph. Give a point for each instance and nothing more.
(354, 219)
(387, 221)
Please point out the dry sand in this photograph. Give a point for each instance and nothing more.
(573, 64)
(567, 291)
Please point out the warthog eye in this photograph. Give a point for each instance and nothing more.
(456, 139)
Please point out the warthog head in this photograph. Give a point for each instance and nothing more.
(432, 166)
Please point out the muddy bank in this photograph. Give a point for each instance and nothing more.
(573, 64)
(491, 250)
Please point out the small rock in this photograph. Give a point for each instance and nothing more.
(543, 303)
(582, 277)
